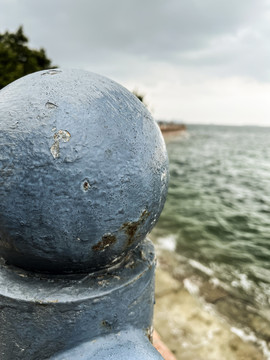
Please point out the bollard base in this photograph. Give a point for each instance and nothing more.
(43, 315)
(131, 344)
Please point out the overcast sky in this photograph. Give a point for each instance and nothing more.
(199, 61)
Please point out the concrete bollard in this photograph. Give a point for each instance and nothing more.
(84, 176)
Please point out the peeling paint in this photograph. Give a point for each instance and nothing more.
(60, 135)
(55, 150)
(107, 240)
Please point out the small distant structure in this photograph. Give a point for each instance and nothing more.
(165, 127)
(171, 126)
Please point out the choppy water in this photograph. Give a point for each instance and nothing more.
(218, 214)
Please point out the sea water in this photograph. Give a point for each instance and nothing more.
(217, 217)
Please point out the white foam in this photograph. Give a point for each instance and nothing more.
(167, 242)
(214, 281)
(192, 288)
(252, 338)
(243, 335)
(201, 267)
(242, 282)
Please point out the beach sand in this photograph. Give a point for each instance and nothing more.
(189, 326)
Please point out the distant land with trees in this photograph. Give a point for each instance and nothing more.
(17, 60)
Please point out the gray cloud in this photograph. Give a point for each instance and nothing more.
(108, 33)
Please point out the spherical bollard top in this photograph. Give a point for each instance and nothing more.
(84, 171)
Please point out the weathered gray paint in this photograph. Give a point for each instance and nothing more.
(126, 345)
(83, 171)
(44, 314)
(84, 175)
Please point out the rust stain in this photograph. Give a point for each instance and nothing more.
(86, 185)
(106, 241)
(131, 228)
(7, 242)
(106, 324)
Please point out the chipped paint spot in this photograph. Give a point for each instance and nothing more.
(48, 302)
(22, 275)
(52, 72)
(55, 150)
(143, 256)
(149, 333)
(163, 176)
(50, 105)
(61, 135)
(103, 283)
(131, 228)
(107, 240)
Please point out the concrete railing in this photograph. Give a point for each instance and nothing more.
(84, 176)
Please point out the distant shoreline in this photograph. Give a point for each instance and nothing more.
(169, 127)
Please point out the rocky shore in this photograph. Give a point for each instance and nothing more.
(190, 326)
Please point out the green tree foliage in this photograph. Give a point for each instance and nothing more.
(16, 59)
